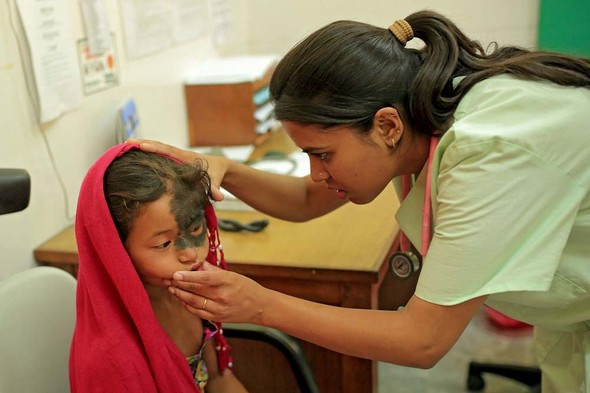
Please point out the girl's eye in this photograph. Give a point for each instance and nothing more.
(164, 245)
(195, 230)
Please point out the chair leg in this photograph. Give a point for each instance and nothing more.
(529, 376)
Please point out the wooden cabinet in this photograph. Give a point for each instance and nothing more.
(224, 114)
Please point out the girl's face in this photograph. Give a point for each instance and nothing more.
(159, 246)
(354, 168)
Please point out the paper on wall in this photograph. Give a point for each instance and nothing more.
(153, 25)
(52, 55)
(96, 26)
(189, 19)
(222, 22)
(146, 26)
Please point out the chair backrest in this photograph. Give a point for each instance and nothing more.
(37, 317)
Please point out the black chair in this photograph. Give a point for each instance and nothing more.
(15, 187)
(530, 376)
(288, 346)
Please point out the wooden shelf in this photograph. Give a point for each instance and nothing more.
(223, 114)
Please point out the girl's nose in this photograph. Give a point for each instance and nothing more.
(188, 255)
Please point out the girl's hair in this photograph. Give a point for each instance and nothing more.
(137, 178)
(345, 72)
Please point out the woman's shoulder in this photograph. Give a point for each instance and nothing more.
(516, 110)
(507, 118)
(513, 94)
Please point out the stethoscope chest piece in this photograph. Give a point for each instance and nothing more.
(404, 264)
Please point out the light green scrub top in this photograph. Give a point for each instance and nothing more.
(511, 216)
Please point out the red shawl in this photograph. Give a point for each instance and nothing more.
(118, 344)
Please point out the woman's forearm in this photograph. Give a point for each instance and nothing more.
(417, 336)
(285, 197)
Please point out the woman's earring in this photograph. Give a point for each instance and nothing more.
(393, 142)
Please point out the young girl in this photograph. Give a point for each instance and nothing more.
(140, 218)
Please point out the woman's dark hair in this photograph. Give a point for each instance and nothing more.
(137, 178)
(345, 72)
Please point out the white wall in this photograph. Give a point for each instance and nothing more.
(276, 25)
(79, 137)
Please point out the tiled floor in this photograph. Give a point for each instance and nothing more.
(481, 341)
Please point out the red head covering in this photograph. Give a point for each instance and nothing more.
(118, 344)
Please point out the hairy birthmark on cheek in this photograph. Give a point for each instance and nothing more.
(190, 218)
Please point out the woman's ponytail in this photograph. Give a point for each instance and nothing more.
(448, 53)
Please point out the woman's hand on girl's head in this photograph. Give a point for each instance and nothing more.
(216, 166)
(161, 148)
(220, 295)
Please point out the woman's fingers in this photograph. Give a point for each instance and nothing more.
(151, 146)
(218, 294)
(198, 305)
(201, 282)
(190, 299)
(216, 193)
(164, 149)
(206, 274)
(214, 165)
(203, 314)
(200, 289)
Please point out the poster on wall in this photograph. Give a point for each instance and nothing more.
(222, 22)
(52, 56)
(188, 19)
(150, 26)
(98, 72)
(146, 26)
(96, 25)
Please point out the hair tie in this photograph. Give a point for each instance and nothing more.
(402, 30)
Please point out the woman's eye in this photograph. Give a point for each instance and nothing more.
(321, 156)
(164, 245)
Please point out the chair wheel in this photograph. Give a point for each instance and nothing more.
(475, 383)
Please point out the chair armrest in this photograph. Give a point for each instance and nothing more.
(15, 186)
(286, 344)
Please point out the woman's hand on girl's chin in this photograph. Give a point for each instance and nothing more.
(231, 297)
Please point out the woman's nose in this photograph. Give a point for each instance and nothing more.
(317, 171)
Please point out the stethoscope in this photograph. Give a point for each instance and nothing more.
(404, 263)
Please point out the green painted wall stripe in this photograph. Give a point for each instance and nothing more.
(564, 26)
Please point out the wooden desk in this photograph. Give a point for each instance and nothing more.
(338, 259)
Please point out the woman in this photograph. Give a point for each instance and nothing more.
(499, 145)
